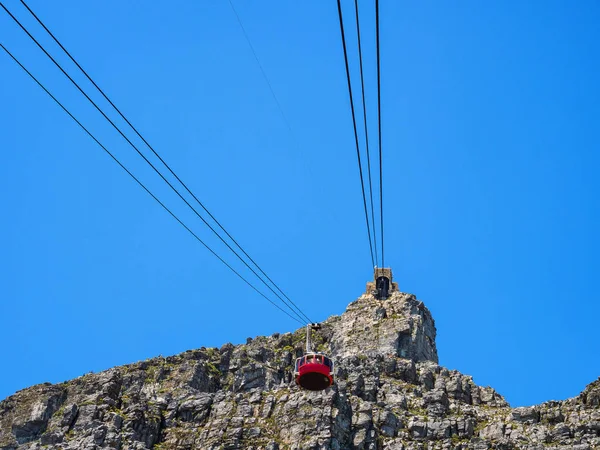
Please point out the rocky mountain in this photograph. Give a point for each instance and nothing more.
(390, 393)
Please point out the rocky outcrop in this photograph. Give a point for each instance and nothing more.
(390, 394)
(400, 326)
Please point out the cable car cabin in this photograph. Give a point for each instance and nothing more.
(314, 371)
(382, 284)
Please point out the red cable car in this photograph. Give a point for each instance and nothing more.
(314, 370)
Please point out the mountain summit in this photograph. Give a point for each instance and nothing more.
(390, 393)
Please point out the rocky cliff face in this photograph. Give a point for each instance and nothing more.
(390, 394)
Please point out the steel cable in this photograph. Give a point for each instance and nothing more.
(364, 105)
(262, 70)
(144, 187)
(152, 166)
(362, 184)
(379, 124)
(162, 160)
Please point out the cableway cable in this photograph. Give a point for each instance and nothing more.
(379, 124)
(161, 159)
(262, 70)
(154, 168)
(364, 105)
(362, 184)
(143, 186)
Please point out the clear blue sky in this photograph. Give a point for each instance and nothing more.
(491, 116)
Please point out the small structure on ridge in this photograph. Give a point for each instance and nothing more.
(382, 285)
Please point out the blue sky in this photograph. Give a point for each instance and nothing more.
(490, 138)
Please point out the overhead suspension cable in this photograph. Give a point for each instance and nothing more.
(162, 161)
(262, 70)
(379, 122)
(297, 318)
(364, 105)
(291, 305)
(362, 184)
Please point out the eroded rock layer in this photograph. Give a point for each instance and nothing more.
(390, 394)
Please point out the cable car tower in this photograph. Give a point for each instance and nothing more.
(314, 370)
(382, 285)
